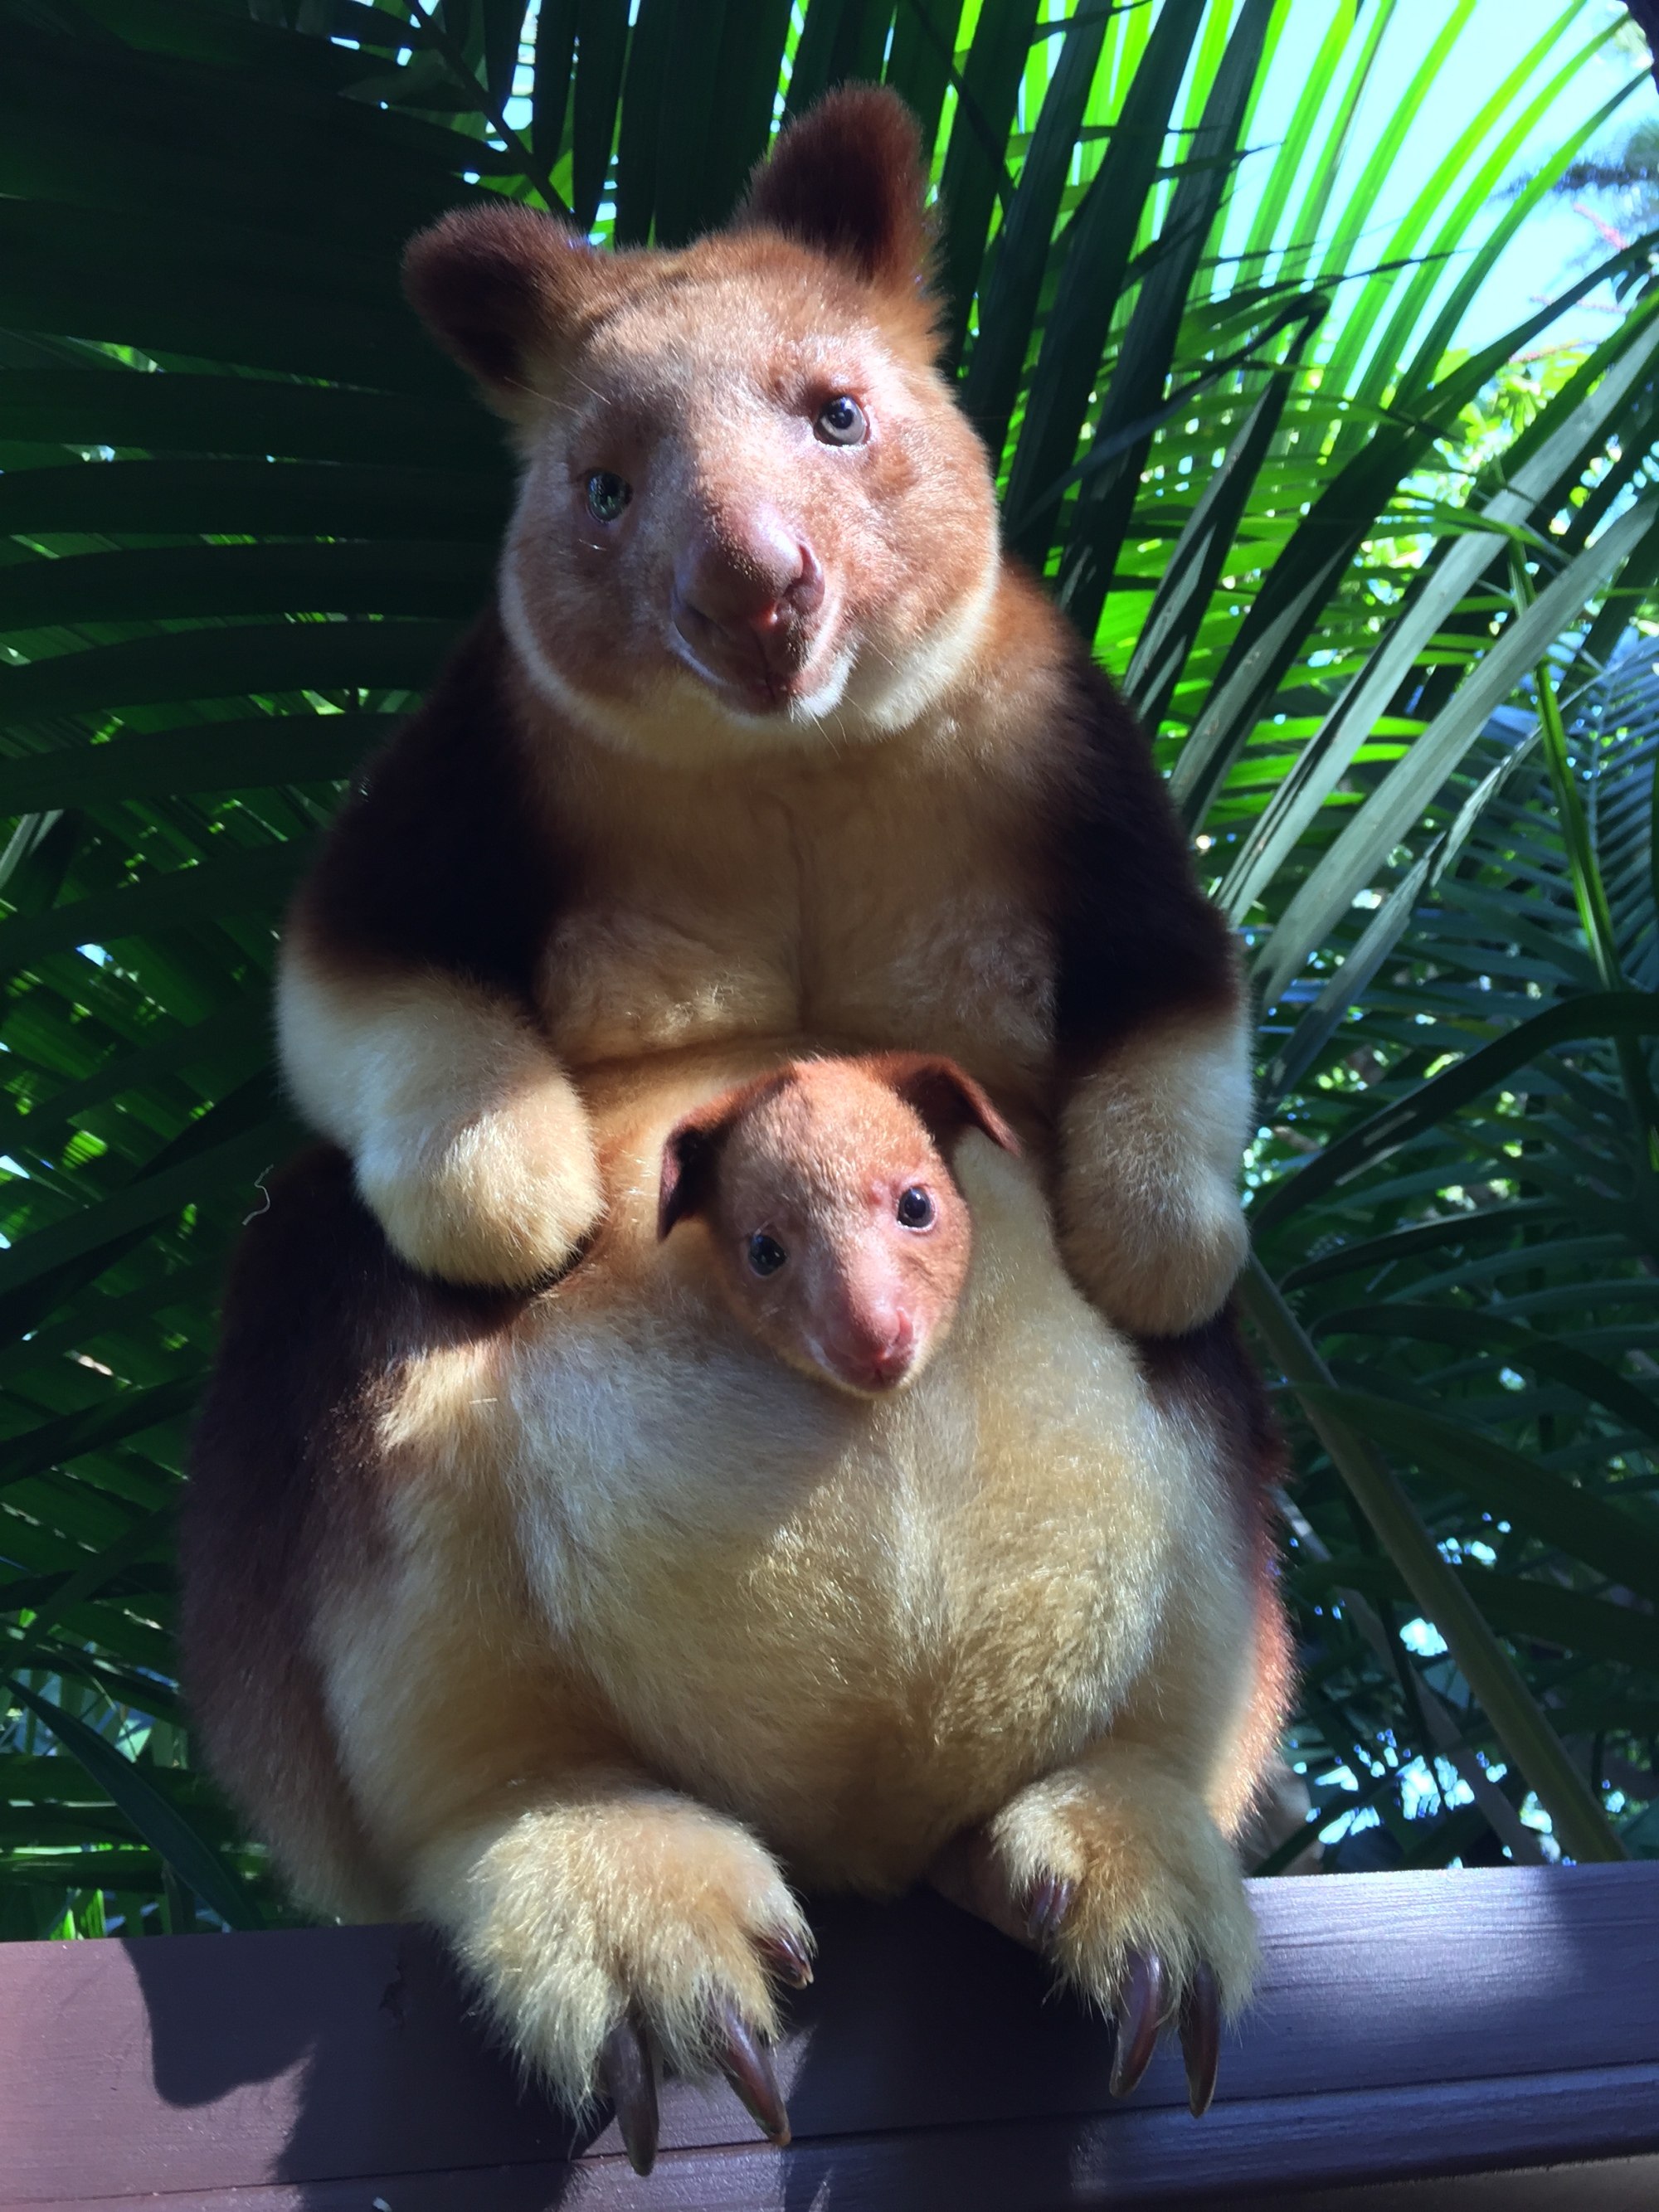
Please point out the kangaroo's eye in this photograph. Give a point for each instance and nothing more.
(766, 1254)
(916, 1208)
(607, 495)
(842, 422)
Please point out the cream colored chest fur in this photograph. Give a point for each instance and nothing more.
(858, 1626)
(879, 900)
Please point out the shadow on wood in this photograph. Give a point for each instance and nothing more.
(1410, 2028)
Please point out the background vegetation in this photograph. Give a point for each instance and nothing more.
(1383, 602)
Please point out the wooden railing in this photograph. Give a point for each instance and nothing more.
(1484, 2038)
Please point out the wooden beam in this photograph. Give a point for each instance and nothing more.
(1409, 2028)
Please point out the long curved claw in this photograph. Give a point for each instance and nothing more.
(747, 2065)
(1047, 1906)
(1138, 2018)
(1200, 2038)
(788, 1958)
(627, 2070)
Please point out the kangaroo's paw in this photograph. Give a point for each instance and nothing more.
(614, 1935)
(1115, 1871)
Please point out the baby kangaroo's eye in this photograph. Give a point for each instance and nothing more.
(607, 495)
(766, 1254)
(916, 1208)
(842, 422)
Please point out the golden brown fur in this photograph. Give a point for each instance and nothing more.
(560, 1610)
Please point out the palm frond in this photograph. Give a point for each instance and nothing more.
(1385, 606)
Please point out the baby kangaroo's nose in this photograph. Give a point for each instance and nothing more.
(755, 572)
(891, 1360)
(877, 1353)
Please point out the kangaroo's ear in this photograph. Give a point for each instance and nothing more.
(506, 291)
(947, 1098)
(846, 179)
(691, 1159)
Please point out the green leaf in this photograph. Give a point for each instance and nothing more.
(1506, 1483)
(229, 580)
(226, 664)
(100, 1228)
(160, 1823)
(1106, 502)
(1188, 582)
(1098, 247)
(920, 59)
(129, 1414)
(602, 42)
(1379, 1135)
(300, 499)
(183, 413)
(1489, 1332)
(212, 757)
(1443, 1596)
(975, 178)
(151, 1532)
(1321, 547)
(1393, 808)
(238, 883)
(1019, 259)
(1452, 574)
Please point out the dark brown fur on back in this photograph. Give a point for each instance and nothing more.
(440, 856)
(1135, 935)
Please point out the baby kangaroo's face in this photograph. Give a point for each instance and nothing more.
(840, 1237)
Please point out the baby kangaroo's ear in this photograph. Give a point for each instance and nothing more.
(691, 1151)
(691, 1159)
(947, 1098)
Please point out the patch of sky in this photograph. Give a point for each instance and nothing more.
(1468, 1548)
(1426, 1789)
(1350, 1824)
(1534, 1817)
(1563, 237)
(1423, 1639)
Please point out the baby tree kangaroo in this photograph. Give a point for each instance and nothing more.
(569, 1609)
(839, 1235)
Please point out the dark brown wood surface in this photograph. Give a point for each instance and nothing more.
(1501, 2024)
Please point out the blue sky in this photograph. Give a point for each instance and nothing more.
(1551, 246)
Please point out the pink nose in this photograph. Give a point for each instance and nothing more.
(877, 1352)
(756, 574)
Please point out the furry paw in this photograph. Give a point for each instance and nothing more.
(1115, 1871)
(1157, 1272)
(611, 1935)
(1150, 1140)
(502, 1198)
